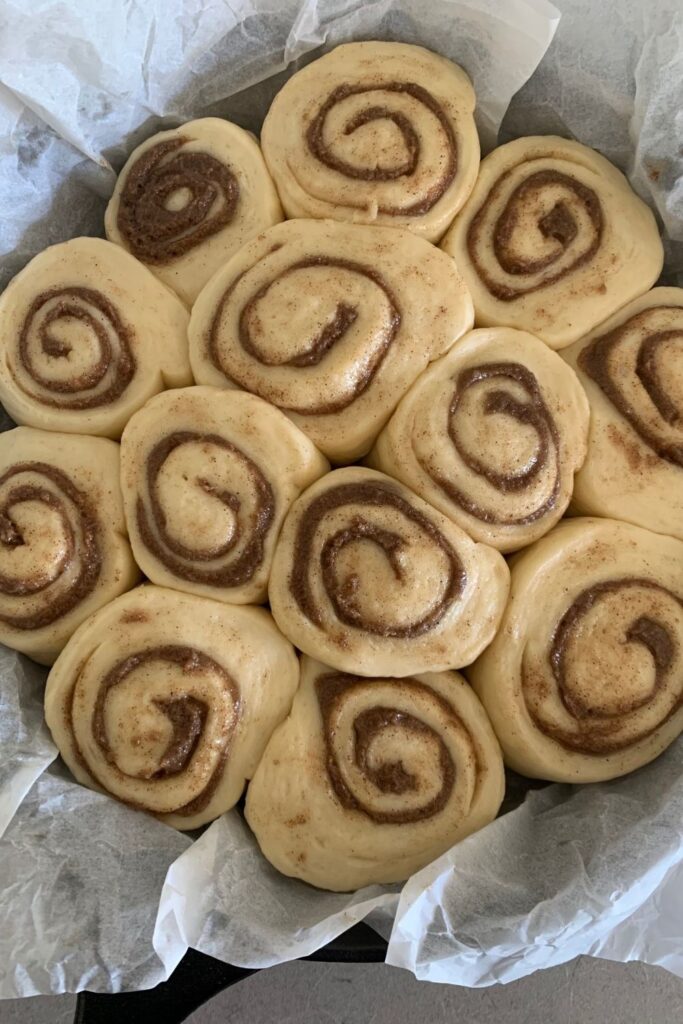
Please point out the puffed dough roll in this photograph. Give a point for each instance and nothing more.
(491, 434)
(374, 580)
(188, 198)
(553, 240)
(332, 323)
(368, 780)
(208, 476)
(63, 546)
(166, 701)
(377, 133)
(87, 335)
(632, 370)
(584, 680)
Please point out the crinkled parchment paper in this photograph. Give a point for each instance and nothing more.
(94, 895)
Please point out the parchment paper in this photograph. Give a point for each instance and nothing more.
(596, 870)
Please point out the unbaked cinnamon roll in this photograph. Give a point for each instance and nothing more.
(87, 336)
(208, 476)
(368, 780)
(166, 701)
(188, 198)
(553, 240)
(632, 370)
(63, 546)
(584, 680)
(374, 580)
(491, 434)
(332, 323)
(377, 133)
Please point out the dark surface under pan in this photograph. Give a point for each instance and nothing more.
(198, 978)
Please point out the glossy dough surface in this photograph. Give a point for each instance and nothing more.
(584, 681)
(188, 198)
(632, 370)
(374, 580)
(208, 476)
(368, 780)
(553, 239)
(332, 323)
(491, 434)
(166, 701)
(63, 546)
(87, 335)
(378, 133)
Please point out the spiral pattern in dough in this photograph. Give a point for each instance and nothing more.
(632, 369)
(166, 701)
(553, 240)
(308, 317)
(491, 434)
(378, 133)
(207, 477)
(375, 580)
(370, 779)
(585, 679)
(188, 198)
(59, 558)
(87, 336)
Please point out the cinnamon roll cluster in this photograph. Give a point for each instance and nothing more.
(234, 353)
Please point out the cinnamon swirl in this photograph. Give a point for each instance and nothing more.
(584, 680)
(553, 240)
(368, 780)
(329, 322)
(187, 199)
(377, 133)
(491, 434)
(208, 476)
(375, 580)
(166, 701)
(632, 370)
(87, 336)
(63, 546)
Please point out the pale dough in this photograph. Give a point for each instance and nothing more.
(584, 680)
(374, 580)
(188, 198)
(166, 701)
(553, 239)
(87, 335)
(330, 322)
(208, 476)
(63, 546)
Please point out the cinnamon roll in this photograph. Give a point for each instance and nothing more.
(87, 336)
(188, 198)
(368, 780)
(632, 370)
(377, 133)
(331, 323)
(208, 476)
(374, 580)
(553, 240)
(166, 701)
(63, 546)
(584, 680)
(491, 434)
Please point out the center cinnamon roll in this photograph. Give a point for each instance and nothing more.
(552, 239)
(308, 317)
(369, 779)
(208, 476)
(166, 701)
(491, 435)
(372, 578)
